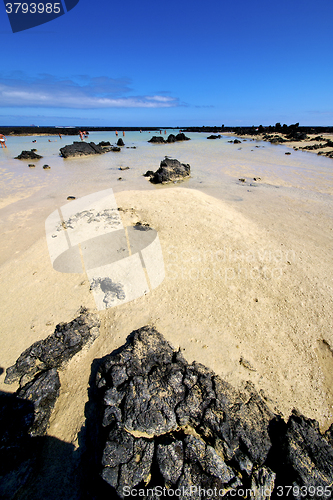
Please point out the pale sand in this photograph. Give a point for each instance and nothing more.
(234, 289)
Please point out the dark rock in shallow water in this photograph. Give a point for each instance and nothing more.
(120, 142)
(104, 144)
(156, 139)
(171, 138)
(149, 173)
(83, 149)
(28, 155)
(214, 137)
(236, 141)
(167, 423)
(170, 170)
(52, 352)
(182, 137)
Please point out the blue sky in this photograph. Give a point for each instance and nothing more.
(175, 63)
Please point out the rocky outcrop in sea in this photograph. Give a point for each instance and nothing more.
(170, 170)
(28, 155)
(85, 149)
(156, 139)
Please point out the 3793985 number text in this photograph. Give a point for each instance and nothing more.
(33, 8)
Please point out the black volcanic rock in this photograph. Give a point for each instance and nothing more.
(157, 405)
(171, 138)
(43, 392)
(104, 144)
(149, 173)
(236, 141)
(157, 139)
(24, 418)
(171, 170)
(28, 155)
(296, 135)
(182, 137)
(83, 149)
(308, 456)
(214, 137)
(56, 349)
(120, 142)
(167, 423)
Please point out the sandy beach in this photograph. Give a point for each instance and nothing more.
(247, 292)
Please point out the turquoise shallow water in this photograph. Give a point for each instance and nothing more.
(302, 180)
(215, 165)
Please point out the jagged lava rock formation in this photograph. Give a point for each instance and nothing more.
(24, 415)
(56, 349)
(168, 423)
(170, 170)
(85, 149)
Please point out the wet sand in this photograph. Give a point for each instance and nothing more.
(247, 292)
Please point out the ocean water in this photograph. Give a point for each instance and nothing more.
(216, 166)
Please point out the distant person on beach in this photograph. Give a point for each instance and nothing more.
(81, 135)
(60, 136)
(3, 141)
(116, 133)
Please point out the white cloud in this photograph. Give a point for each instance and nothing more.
(81, 92)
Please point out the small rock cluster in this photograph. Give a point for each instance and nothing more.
(171, 138)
